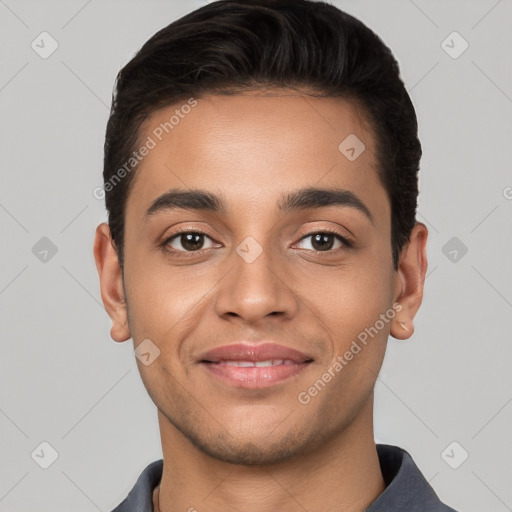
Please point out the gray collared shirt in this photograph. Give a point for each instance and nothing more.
(407, 490)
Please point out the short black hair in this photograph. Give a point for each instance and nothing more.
(229, 46)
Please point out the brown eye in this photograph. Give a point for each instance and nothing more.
(188, 242)
(324, 241)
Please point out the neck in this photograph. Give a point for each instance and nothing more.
(343, 474)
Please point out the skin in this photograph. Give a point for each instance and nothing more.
(232, 449)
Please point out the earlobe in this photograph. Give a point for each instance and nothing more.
(410, 279)
(111, 282)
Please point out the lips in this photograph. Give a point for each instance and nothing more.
(254, 366)
(254, 353)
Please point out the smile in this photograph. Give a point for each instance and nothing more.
(254, 374)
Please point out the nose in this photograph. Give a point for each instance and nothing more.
(256, 291)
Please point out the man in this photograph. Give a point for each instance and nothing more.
(261, 163)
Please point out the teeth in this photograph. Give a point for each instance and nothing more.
(263, 363)
(258, 364)
(242, 364)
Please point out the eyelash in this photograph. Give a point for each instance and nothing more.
(345, 241)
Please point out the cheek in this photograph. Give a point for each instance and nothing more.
(164, 301)
(351, 306)
(349, 299)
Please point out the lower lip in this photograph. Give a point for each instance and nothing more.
(254, 377)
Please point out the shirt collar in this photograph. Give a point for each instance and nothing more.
(407, 490)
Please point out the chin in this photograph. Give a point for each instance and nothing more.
(249, 448)
(249, 453)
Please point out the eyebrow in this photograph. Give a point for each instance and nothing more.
(302, 199)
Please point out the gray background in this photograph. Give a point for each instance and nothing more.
(64, 381)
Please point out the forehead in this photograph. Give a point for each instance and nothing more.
(253, 147)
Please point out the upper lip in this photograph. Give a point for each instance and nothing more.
(259, 352)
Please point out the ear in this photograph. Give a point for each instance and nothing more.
(111, 282)
(409, 281)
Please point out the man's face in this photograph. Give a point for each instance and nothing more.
(259, 274)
